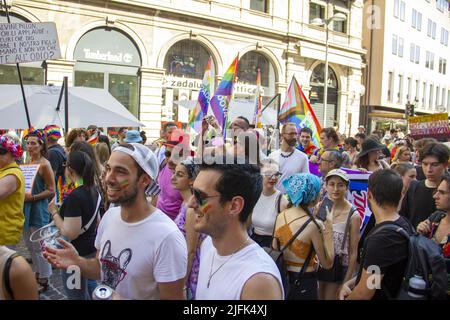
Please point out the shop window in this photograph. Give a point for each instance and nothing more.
(187, 59)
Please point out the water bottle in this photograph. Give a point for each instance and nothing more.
(416, 285)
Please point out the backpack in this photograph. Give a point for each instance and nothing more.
(425, 260)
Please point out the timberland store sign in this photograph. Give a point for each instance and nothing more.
(119, 57)
(195, 84)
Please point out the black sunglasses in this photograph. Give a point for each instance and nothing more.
(201, 198)
(168, 153)
(3, 151)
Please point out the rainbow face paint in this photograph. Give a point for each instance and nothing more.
(125, 183)
(205, 208)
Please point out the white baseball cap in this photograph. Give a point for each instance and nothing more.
(144, 157)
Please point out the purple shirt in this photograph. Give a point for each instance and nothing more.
(169, 200)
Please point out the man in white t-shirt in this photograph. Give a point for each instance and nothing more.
(232, 266)
(289, 159)
(141, 253)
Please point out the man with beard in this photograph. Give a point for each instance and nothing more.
(141, 253)
(289, 159)
(232, 266)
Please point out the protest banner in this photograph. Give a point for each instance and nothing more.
(357, 191)
(430, 126)
(28, 42)
(29, 172)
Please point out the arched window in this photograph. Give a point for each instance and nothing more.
(108, 58)
(316, 95)
(186, 58)
(32, 72)
(248, 67)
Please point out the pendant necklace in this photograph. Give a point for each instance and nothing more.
(287, 156)
(211, 274)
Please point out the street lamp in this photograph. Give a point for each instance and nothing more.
(326, 23)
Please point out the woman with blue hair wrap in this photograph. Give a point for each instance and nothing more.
(316, 238)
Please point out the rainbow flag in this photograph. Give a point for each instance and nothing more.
(258, 101)
(297, 109)
(59, 191)
(204, 97)
(221, 99)
(93, 139)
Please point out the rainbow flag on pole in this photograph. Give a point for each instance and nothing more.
(93, 139)
(297, 109)
(204, 97)
(258, 101)
(221, 99)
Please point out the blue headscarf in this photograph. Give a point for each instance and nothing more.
(302, 188)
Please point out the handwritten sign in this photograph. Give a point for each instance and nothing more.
(433, 125)
(28, 42)
(29, 172)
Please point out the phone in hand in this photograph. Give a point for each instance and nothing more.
(322, 214)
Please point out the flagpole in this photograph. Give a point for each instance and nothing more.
(19, 73)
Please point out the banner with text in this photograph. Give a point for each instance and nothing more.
(28, 42)
(433, 125)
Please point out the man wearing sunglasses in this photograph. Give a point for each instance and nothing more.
(141, 253)
(12, 192)
(232, 266)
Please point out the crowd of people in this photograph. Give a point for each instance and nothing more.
(176, 219)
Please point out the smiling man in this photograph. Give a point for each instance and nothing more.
(232, 266)
(140, 251)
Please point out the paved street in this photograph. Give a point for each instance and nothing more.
(55, 290)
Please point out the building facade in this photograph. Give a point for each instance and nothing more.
(407, 60)
(149, 54)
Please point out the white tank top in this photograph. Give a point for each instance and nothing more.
(228, 281)
(265, 213)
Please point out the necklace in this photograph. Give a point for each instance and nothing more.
(211, 274)
(287, 156)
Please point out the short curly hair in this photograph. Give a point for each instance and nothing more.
(73, 134)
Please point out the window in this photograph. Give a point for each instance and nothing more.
(412, 52)
(430, 104)
(433, 33)
(417, 90)
(417, 54)
(429, 62)
(260, 5)
(340, 26)
(186, 58)
(442, 65)
(436, 103)
(443, 97)
(424, 95)
(400, 89)
(419, 21)
(444, 36)
(408, 96)
(400, 47)
(394, 44)
(414, 18)
(430, 25)
(402, 11)
(442, 5)
(389, 95)
(396, 8)
(316, 11)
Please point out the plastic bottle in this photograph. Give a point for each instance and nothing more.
(417, 283)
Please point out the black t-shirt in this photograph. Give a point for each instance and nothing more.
(81, 203)
(388, 250)
(418, 203)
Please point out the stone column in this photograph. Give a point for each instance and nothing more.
(151, 101)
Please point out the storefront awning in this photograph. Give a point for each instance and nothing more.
(388, 115)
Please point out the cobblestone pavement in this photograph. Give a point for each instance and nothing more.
(55, 289)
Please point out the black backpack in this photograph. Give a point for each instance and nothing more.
(425, 260)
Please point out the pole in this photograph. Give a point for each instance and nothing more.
(325, 84)
(66, 102)
(19, 74)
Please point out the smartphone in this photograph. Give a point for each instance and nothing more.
(322, 214)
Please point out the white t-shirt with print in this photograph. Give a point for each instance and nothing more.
(297, 162)
(134, 257)
(230, 273)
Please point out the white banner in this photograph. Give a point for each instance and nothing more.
(29, 172)
(28, 42)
